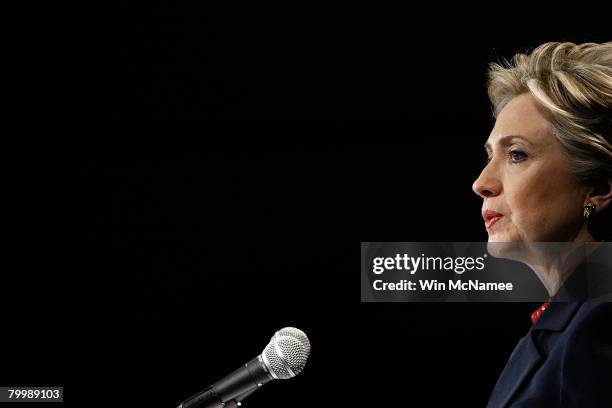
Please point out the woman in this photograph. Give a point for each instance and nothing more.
(548, 178)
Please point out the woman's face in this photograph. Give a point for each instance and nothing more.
(527, 179)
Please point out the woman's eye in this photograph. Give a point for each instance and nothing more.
(517, 155)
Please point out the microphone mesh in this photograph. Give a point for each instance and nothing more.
(285, 357)
(296, 334)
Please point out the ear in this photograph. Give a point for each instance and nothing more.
(601, 196)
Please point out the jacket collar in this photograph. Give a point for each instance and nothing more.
(557, 316)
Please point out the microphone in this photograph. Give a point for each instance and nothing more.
(296, 334)
(284, 357)
(286, 331)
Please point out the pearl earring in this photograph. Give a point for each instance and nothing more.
(589, 209)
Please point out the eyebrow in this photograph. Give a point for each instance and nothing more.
(506, 140)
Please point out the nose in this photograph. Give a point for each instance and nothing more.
(487, 184)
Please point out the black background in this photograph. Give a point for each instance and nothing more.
(184, 262)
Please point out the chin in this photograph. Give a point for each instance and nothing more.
(504, 245)
(505, 238)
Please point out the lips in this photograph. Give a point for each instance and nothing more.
(491, 217)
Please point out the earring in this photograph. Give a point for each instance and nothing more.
(589, 209)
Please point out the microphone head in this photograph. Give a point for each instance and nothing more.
(285, 357)
(296, 334)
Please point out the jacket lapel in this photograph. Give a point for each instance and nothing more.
(523, 360)
(526, 357)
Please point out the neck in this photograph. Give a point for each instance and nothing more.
(554, 262)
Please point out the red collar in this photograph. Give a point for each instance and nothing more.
(536, 315)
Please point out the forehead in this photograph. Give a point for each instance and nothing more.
(525, 117)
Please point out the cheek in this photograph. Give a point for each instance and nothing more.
(527, 200)
(540, 206)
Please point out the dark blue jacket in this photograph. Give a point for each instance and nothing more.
(565, 360)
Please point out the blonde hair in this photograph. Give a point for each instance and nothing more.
(574, 83)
